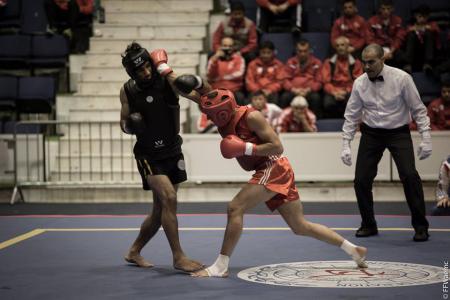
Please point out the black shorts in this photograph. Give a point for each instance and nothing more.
(173, 167)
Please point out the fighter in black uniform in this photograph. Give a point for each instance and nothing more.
(151, 111)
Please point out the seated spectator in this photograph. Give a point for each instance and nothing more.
(385, 29)
(82, 25)
(297, 117)
(241, 29)
(270, 111)
(271, 11)
(422, 41)
(352, 26)
(205, 125)
(439, 109)
(443, 190)
(265, 73)
(338, 74)
(442, 69)
(226, 69)
(303, 78)
(59, 16)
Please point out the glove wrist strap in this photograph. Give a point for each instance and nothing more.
(250, 149)
(164, 69)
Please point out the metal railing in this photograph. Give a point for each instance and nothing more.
(72, 153)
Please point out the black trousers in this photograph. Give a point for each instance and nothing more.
(372, 145)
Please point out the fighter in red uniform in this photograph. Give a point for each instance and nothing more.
(249, 138)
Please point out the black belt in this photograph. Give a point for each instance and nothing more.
(401, 129)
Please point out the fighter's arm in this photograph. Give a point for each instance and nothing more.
(271, 143)
(189, 86)
(200, 86)
(124, 112)
(130, 123)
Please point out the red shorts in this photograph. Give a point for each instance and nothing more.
(278, 177)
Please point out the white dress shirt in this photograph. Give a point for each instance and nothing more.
(384, 104)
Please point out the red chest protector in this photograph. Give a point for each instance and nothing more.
(238, 126)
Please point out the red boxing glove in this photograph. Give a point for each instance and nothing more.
(159, 58)
(232, 146)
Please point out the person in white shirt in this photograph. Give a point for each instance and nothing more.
(382, 102)
(443, 190)
(270, 111)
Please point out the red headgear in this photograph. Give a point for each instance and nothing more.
(219, 106)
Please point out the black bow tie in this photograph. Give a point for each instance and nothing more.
(378, 78)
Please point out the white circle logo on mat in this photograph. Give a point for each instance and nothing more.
(344, 274)
(149, 99)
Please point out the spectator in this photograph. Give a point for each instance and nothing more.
(303, 78)
(241, 29)
(271, 11)
(265, 73)
(352, 26)
(270, 111)
(422, 40)
(59, 17)
(338, 74)
(385, 29)
(297, 117)
(443, 190)
(226, 70)
(82, 25)
(439, 109)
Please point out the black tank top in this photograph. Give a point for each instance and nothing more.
(160, 110)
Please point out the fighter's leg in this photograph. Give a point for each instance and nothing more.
(249, 196)
(149, 228)
(167, 194)
(292, 213)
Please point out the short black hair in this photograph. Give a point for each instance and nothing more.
(375, 47)
(386, 2)
(257, 93)
(445, 83)
(422, 9)
(302, 42)
(347, 1)
(266, 45)
(237, 5)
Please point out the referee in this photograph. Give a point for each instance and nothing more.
(382, 103)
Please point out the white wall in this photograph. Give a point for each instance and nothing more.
(314, 157)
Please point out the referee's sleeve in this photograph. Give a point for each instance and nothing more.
(353, 113)
(415, 104)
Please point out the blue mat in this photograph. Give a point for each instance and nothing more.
(84, 260)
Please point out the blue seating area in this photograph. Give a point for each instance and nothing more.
(283, 43)
(24, 16)
(25, 48)
(29, 95)
(32, 51)
(329, 125)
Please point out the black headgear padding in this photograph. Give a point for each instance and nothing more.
(132, 61)
(133, 58)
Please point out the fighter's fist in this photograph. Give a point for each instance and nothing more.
(232, 146)
(159, 58)
(136, 123)
(187, 82)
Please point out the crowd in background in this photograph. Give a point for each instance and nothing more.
(294, 94)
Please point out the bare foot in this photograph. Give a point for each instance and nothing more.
(205, 273)
(138, 260)
(361, 260)
(187, 265)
